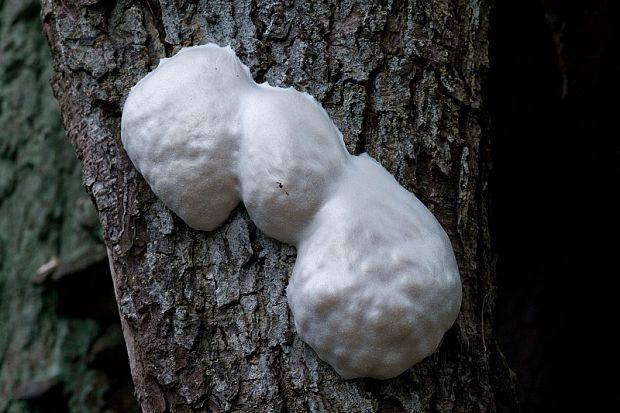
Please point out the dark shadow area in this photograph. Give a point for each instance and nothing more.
(83, 289)
(551, 98)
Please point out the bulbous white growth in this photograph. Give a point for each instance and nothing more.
(376, 284)
(292, 155)
(181, 127)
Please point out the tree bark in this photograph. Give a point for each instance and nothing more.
(204, 314)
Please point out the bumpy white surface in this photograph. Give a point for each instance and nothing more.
(376, 283)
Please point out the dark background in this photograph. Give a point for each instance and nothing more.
(551, 96)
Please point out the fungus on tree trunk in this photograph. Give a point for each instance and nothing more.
(376, 284)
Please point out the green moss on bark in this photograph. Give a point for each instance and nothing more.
(44, 213)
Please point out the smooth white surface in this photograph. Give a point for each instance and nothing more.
(376, 283)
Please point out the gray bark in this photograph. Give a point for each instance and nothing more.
(205, 317)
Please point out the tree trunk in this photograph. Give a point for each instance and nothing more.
(204, 314)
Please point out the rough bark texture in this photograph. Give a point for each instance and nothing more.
(59, 328)
(204, 314)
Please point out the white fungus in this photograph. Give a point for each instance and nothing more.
(376, 284)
